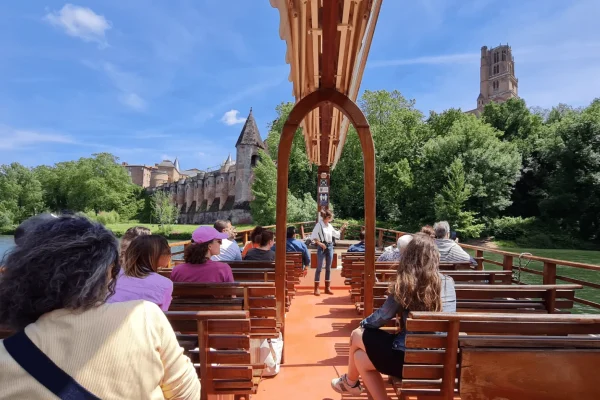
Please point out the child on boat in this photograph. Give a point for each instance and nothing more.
(418, 287)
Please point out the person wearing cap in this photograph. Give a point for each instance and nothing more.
(198, 266)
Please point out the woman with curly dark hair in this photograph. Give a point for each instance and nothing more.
(53, 292)
(418, 287)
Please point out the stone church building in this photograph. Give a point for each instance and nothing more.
(497, 77)
(205, 196)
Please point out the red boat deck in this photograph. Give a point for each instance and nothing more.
(316, 343)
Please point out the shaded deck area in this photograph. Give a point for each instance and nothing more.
(316, 341)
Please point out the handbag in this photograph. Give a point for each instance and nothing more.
(43, 369)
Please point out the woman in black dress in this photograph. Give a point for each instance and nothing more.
(418, 287)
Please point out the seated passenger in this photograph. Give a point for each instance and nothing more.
(360, 246)
(128, 237)
(252, 243)
(418, 287)
(293, 245)
(263, 252)
(199, 266)
(138, 279)
(450, 251)
(392, 254)
(53, 294)
(30, 224)
(428, 230)
(230, 251)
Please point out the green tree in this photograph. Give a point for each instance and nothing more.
(570, 163)
(303, 172)
(98, 183)
(20, 193)
(164, 212)
(264, 190)
(450, 202)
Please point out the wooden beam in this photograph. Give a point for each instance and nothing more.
(329, 22)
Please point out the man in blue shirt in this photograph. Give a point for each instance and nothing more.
(293, 245)
(360, 246)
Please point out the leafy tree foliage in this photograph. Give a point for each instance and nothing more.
(97, 183)
(450, 202)
(264, 189)
(303, 172)
(164, 211)
(20, 194)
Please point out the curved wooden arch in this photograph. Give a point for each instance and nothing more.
(357, 118)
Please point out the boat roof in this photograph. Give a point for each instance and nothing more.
(328, 44)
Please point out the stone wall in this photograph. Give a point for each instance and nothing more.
(236, 216)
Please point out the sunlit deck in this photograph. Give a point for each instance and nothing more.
(316, 342)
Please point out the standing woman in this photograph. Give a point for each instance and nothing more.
(323, 235)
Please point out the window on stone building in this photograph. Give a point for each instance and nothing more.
(496, 57)
(503, 55)
(254, 160)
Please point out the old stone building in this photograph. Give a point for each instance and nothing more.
(497, 77)
(205, 196)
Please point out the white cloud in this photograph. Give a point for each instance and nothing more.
(17, 138)
(459, 58)
(133, 101)
(231, 118)
(80, 22)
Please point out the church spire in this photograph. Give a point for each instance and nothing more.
(176, 163)
(250, 134)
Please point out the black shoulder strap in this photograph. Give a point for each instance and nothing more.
(43, 369)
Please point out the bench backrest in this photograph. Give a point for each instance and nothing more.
(223, 355)
(503, 355)
(258, 299)
(503, 298)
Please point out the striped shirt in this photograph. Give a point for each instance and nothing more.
(451, 252)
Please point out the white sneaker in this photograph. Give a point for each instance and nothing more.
(342, 386)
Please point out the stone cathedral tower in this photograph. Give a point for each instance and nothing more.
(247, 147)
(498, 81)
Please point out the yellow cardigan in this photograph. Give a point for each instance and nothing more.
(116, 351)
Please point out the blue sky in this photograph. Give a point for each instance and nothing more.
(152, 80)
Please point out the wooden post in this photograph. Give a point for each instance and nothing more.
(245, 238)
(450, 360)
(380, 239)
(549, 273)
(507, 263)
(479, 259)
(301, 231)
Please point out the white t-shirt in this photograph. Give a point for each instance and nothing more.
(230, 251)
(324, 232)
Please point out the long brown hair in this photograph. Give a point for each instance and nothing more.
(195, 253)
(143, 255)
(418, 284)
(129, 235)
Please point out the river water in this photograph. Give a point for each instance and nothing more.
(6, 242)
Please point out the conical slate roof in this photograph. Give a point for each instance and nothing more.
(177, 164)
(250, 134)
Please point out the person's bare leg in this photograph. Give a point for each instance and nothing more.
(371, 377)
(356, 343)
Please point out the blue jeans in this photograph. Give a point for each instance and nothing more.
(327, 256)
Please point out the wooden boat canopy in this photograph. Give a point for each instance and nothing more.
(328, 43)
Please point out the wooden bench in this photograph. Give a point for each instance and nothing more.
(548, 299)
(222, 357)
(479, 356)
(256, 298)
